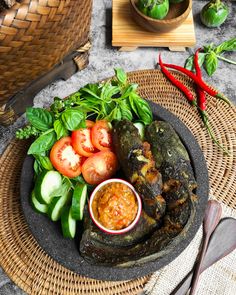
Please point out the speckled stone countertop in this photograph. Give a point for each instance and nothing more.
(103, 58)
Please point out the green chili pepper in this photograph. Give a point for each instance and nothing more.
(214, 13)
(157, 9)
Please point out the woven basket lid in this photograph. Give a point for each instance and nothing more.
(32, 269)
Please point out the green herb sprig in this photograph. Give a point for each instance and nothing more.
(210, 55)
(114, 99)
(27, 132)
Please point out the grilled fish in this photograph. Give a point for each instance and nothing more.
(145, 226)
(138, 165)
(172, 159)
(99, 251)
(172, 165)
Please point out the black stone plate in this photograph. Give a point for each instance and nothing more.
(65, 251)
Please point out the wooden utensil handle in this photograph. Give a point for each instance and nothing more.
(197, 271)
(212, 216)
(221, 243)
(211, 219)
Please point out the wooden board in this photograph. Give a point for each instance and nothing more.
(128, 35)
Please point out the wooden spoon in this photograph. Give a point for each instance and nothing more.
(222, 242)
(210, 221)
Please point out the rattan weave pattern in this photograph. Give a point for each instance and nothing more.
(35, 35)
(32, 269)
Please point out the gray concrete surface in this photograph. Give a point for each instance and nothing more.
(104, 58)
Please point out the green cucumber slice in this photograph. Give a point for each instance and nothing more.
(141, 129)
(37, 206)
(78, 201)
(46, 183)
(68, 224)
(56, 206)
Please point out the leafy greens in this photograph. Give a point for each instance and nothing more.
(211, 54)
(115, 99)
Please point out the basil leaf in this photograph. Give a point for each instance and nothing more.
(85, 91)
(43, 143)
(108, 107)
(211, 63)
(132, 104)
(72, 118)
(37, 167)
(189, 64)
(121, 75)
(44, 162)
(114, 115)
(142, 109)
(129, 89)
(108, 91)
(208, 48)
(229, 45)
(60, 129)
(79, 179)
(82, 124)
(117, 114)
(41, 119)
(125, 110)
(92, 89)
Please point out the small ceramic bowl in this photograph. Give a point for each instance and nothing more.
(176, 16)
(132, 224)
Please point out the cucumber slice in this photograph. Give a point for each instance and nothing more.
(78, 201)
(46, 183)
(37, 206)
(68, 224)
(141, 129)
(56, 206)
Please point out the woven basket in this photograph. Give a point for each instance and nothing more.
(35, 36)
(4, 4)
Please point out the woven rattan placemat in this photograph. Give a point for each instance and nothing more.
(32, 269)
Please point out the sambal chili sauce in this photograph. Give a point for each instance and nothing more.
(115, 206)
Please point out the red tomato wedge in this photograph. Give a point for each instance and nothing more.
(101, 135)
(81, 140)
(99, 167)
(65, 159)
(89, 123)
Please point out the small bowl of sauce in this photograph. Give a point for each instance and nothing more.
(114, 206)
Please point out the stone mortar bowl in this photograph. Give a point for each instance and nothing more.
(65, 251)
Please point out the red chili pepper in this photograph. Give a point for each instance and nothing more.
(202, 103)
(199, 82)
(177, 83)
(200, 92)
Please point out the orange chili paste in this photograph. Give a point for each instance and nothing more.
(115, 206)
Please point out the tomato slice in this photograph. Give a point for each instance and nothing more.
(89, 123)
(65, 159)
(99, 167)
(81, 140)
(101, 135)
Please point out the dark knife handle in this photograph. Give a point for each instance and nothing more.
(222, 242)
